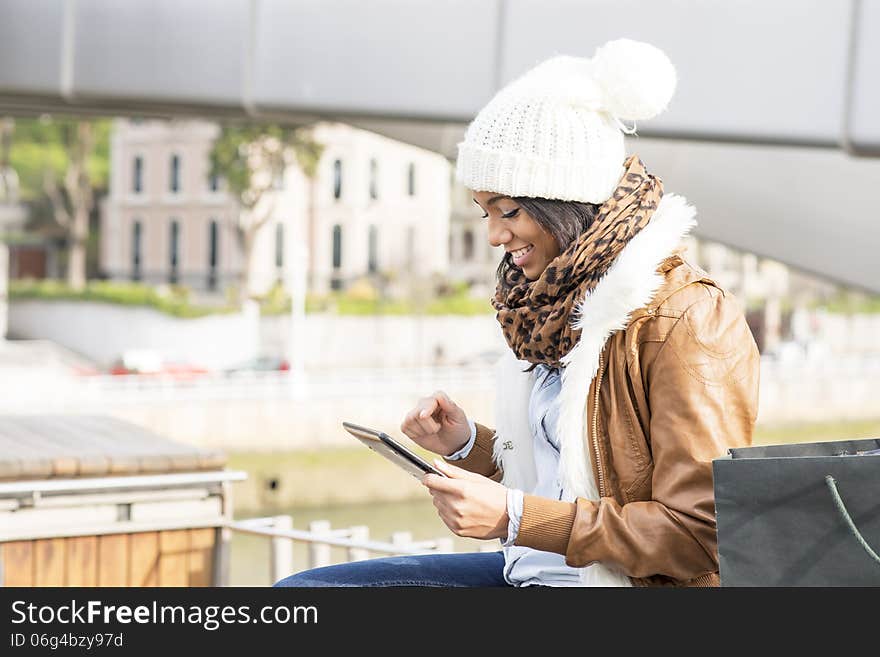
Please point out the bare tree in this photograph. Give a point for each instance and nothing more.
(251, 159)
(8, 181)
(73, 198)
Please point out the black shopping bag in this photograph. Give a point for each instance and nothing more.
(806, 514)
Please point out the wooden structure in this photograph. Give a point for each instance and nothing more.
(95, 501)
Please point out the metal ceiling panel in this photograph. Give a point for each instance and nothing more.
(162, 50)
(383, 57)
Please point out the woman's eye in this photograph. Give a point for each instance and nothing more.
(506, 215)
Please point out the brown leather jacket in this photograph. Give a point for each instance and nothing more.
(675, 389)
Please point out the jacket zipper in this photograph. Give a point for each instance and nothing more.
(596, 429)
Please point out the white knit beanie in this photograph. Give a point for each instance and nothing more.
(556, 132)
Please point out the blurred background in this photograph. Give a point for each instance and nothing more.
(236, 225)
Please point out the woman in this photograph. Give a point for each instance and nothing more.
(629, 368)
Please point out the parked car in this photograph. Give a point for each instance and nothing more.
(138, 361)
(150, 363)
(261, 364)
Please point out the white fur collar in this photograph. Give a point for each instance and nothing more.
(630, 283)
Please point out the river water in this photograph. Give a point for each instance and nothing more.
(250, 564)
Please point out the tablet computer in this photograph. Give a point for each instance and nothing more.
(392, 450)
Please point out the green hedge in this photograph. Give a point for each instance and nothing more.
(340, 304)
(456, 301)
(175, 303)
(848, 303)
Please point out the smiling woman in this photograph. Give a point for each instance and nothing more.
(629, 369)
(544, 223)
(527, 244)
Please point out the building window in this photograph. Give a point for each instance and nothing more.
(337, 246)
(136, 242)
(374, 175)
(174, 180)
(337, 179)
(137, 182)
(373, 252)
(174, 251)
(213, 254)
(214, 182)
(411, 179)
(335, 281)
(468, 245)
(279, 246)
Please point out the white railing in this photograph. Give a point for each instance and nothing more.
(256, 384)
(283, 384)
(321, 537)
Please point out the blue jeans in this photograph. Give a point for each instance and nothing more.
(459, 569)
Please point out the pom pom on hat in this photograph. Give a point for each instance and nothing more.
(637, 78)
(555, 132)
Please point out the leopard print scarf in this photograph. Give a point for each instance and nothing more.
(535, 316)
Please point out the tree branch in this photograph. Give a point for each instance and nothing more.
(257, 225)
(59, 209)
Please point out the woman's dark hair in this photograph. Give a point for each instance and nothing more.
(564, 220)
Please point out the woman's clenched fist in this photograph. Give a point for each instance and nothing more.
(438, 424)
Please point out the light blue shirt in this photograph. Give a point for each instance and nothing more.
(525, 566)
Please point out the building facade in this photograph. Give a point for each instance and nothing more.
(12, 218)
(375, 206)
(381, 207)
(165, 220)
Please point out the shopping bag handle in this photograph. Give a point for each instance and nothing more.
(841, 507)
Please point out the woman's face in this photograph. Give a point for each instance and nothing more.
(531, 247)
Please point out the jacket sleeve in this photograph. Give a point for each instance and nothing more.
(702, 385)
(479, 459)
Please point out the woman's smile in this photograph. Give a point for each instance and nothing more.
(521, 255)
